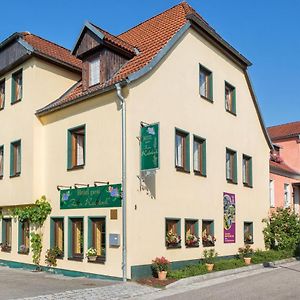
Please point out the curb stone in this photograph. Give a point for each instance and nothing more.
(200, 278)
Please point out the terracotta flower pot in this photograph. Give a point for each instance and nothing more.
(92, 258)
(209, 267)
(247, 260)
(162, 275)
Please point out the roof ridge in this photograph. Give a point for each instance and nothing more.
(294, 122)
(60, 46)
(143, 22)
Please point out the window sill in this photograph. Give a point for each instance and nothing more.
(99, 260)
(15, 175)
(76, 258)
(1, 108)
(231, 112)
(247, 185)
(205, 245)
(178, 246)
(179, 169)
(248, 243)
(15, 101)
(1, 177)
(231, 181)
(197, 173)
(192, 246)
(207, 99)
(23, 253)
(76, 168)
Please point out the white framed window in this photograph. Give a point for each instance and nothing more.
(287, 195)
(94, 71)
(272, 193)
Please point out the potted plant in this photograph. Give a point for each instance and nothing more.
(208, 240)
(246, 253)
(172, 239)
(23, 249)
(51, 256)
(161, 267)
(191, 240)
(91, 254)
(209, 258)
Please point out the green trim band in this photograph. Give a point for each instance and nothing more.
(69, 273)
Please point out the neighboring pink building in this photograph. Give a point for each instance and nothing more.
(285, 166)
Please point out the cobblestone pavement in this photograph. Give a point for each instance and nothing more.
(112, 292)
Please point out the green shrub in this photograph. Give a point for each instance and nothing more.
(227, 264)
(260, 256)
(188, 271)
(282, 230)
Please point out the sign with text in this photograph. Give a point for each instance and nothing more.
(150, 147)
(91, 197)
(229, 218)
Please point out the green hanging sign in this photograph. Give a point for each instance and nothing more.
(91, 197)
(150, 147)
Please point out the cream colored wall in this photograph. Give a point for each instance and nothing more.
(170, 95)
(42, 83)
(101, 116)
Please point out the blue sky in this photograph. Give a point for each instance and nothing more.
(266, 32)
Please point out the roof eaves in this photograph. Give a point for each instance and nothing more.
(203, 25)
(160, 55)
(57, 61)
(258, 111)
(279, 171)
(27, 46)
(47, 110)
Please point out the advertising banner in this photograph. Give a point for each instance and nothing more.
(91, 197)
(229, 218)
(150, 147)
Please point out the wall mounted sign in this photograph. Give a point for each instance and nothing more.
(150, 147)
(229, 218)
(91, 197)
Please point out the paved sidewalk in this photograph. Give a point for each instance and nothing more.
(113, 292)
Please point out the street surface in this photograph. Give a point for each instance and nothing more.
(282, 282)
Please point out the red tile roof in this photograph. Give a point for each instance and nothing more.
(284, 130)
(282, 166)
(149, 37)
(51, 50)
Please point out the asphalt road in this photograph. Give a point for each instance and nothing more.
(17, 283)
(280, 283)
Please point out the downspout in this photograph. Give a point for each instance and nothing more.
(124, 233)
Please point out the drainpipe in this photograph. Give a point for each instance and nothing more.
(124, 233)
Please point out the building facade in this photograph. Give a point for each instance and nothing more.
(210, 186)
(285, 166)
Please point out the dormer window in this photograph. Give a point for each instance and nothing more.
(94, 71)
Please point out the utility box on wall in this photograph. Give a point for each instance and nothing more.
(114, 240)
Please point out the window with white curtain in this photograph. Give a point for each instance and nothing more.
(206, 83)
(272, 193)
(76, 147)
(94, 71)
(2, 94)
(182, 149)
(199, 149)
(287, 195)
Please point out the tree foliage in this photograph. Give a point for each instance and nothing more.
(282, 231)
(36, 214)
